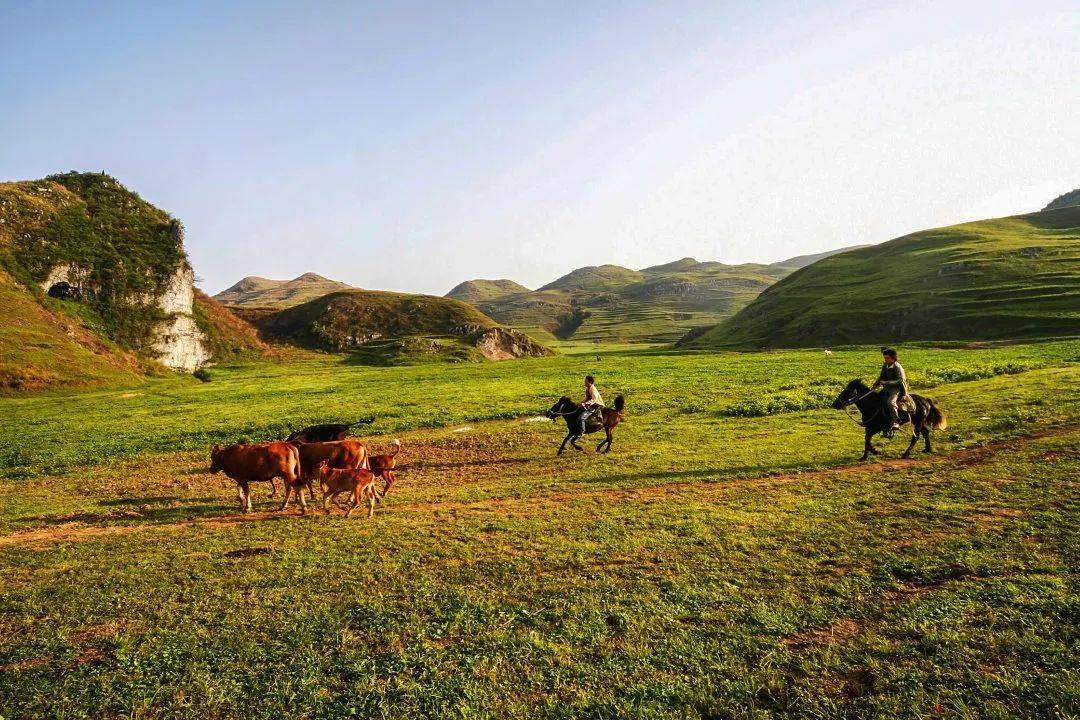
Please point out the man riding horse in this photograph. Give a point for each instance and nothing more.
(893, 381)
(588, 416)
(592, 403)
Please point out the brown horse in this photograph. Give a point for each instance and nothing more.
(571, 411)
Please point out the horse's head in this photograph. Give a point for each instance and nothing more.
(560, 408)
(849, 394)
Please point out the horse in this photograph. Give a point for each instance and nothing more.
(570, 411)
(875, 417)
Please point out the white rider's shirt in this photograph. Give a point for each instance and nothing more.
(592, 397)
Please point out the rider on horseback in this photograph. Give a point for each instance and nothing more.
(592, 402)
(894, 381)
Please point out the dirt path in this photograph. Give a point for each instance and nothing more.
(79, 532)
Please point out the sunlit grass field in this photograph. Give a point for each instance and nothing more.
(728, 559)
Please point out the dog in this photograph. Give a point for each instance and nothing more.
(358, 482)
(383, 467)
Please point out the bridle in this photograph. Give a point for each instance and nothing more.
(847, 404)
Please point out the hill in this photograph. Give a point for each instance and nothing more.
(1067, 200)
(657, 304)
(477, 291)
(389, 328)
(261, 292)
(96, 285)
(1014, 277)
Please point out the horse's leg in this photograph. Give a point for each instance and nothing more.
(867, 449)
(914, 438)
(926, 436)
(606, 441)
(562, 448)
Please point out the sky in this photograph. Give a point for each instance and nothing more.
(413, 145)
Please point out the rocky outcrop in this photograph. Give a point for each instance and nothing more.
(179, 343)
(501, 343)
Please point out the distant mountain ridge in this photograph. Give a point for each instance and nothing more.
(256, 291)
(613, 303)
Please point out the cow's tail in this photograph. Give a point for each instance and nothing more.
(935, 417)
(293, 464)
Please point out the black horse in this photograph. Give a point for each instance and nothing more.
(607, 420)
(875, 416)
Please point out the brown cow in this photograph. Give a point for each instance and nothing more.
(358, 482)
(259, 462)
(383, 466)
(340, 454)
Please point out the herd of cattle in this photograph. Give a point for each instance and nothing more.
(320, 453)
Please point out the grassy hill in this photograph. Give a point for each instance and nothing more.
(388, 328)
(477, 291)
(261, 292)
(120, 250)
(1014, 277)
(609, 303)
(1066, 200)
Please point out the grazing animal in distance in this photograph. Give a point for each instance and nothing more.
(828, 353)
(875, 418)
(358, 482)
(259, 462)
(610, 417)
(326, 433)
(383, 466)
(342, 454)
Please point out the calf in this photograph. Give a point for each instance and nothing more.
(259, 462)
(343, 454)
(355, 481)
(383, 467)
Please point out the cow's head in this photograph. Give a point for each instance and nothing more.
(215, 459)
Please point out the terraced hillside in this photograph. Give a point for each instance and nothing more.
(1013, 277)
(261, 292)
(389, 328)
(609, 303)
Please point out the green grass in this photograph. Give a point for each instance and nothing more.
(713, 565)
(1016, 277)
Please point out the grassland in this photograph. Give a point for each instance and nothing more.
(1015, 277)
(726, 560)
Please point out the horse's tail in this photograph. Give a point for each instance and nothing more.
(935, 417)
(620, 403)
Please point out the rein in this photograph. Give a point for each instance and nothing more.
(848, 404)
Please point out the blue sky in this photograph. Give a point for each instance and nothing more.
(410, 146)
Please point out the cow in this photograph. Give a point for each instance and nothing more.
(259, 462)
(340, 454)
(358, 482)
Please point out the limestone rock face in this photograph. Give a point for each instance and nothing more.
(505, 344)
(180, 344)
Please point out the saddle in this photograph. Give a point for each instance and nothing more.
(905, 404)
(594, 419)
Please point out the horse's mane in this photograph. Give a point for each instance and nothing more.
(858, 384)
